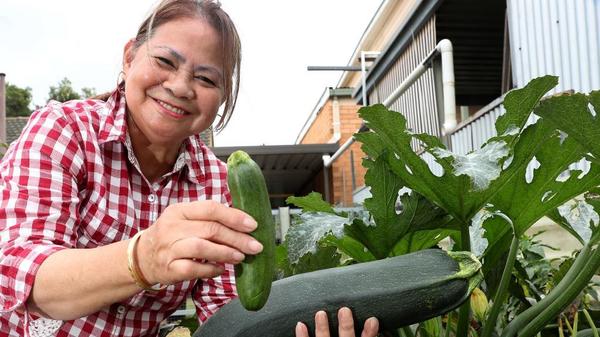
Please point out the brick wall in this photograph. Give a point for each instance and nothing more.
(321, 131)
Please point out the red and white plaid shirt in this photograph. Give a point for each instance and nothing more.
(72, 181)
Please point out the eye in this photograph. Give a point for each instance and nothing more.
(205, 79)
(164, 61)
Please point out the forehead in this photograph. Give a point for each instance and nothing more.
(190, 37)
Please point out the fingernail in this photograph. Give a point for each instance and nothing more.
(250, 223)
(237, 256)
(255, 246)
(298, 328)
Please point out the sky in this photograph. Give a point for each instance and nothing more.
(42, 42)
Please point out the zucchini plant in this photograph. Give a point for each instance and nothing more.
(484, 201)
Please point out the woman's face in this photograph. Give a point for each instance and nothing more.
(174, 82)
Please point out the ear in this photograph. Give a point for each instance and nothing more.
(128, 54)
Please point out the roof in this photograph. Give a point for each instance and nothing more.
(288, 169)
(14, 126)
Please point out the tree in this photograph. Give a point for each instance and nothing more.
(17, 101)
(88, 92)
(63, 92)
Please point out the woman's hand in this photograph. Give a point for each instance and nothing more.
(193, 240)
(345, 328)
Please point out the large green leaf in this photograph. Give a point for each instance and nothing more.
(351, 247)
(313, 202)
(467, 182)
(571, 114)
(384, 186)
(391, 224)
(525, 202)
(419, 240)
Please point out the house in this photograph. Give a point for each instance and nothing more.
(446, 64)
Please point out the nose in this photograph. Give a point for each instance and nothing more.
(179, 85)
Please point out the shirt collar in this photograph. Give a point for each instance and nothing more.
(113, 127)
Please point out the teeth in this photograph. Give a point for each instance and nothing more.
(171, 108)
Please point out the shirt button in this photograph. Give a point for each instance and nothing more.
(152, 198)
(121, 309)
(156, 187)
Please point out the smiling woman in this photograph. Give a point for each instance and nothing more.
(113, 211)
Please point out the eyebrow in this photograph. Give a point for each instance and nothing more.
(182, 59)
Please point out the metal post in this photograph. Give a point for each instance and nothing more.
(363, 71)
(284, 220)
(2, 108)
(326, 159)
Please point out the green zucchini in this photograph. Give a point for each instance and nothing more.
(399, 291)
(254, 275)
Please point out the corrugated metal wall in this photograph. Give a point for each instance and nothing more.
(559, 37)
(478, 130)
(418, 103)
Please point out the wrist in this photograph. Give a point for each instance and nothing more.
(133, 264)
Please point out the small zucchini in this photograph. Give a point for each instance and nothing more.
(254, 275)
(399, 291)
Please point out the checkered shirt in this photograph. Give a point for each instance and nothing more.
(71, 180)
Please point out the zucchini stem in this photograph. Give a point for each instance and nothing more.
(534, 311)
(590, 322)
(554, 304)
(502, 291)
(464, 312)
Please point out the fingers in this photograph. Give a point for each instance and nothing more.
(198, 248)
(346, 323)
(301, 330)
(217, 232)
(211, 210)
(345, 327)
(191, 267)
(371, 327)
(321, 325)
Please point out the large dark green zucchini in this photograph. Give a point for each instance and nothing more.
(254, 275)
(398, 291)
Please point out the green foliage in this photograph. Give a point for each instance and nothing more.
(17, 101)
(489, 197)
(63, 91)
(88, 92)
(313, 202)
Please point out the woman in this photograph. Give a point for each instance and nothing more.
(113, 211)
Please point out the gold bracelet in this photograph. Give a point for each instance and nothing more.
(134, 269)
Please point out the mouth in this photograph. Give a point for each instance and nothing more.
(171, 110)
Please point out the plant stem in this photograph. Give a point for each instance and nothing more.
(557, 303)
(569, 327)
(590, 322)
(464, 313)
(561, 333)
(407, 331)
(501, 293)
(528, 315)
(575, 323)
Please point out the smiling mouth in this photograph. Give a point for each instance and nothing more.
(170, 108)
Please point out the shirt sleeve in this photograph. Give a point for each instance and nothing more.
(38, 201)
(211, 294)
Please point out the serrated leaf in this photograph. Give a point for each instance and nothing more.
(525, 202)
(520, 103)
(419, 240)
(384, 186)
(324, 257)
(454, 189)
(351, 247)
(571, 114)
(417, 214)
(313, 202)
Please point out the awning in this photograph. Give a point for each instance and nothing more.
(288, 169)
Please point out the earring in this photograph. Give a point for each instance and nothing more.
(121, 81)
